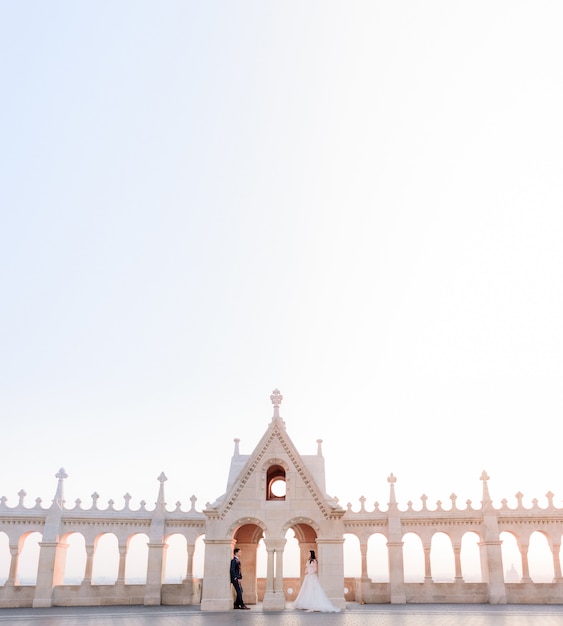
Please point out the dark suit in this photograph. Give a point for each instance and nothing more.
(236, 576)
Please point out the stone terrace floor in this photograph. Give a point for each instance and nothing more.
(355, 615)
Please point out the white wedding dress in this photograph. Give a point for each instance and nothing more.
(311, 596)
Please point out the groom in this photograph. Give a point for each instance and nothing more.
(236, 577)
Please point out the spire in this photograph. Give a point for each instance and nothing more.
(59, 498)
(237, 450)
(319, 447)
(276, 399)
(161, 479)
(391, 479)
(486, 502)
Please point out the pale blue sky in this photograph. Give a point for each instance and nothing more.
(360, 203)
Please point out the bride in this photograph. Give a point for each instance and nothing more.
(311, 596)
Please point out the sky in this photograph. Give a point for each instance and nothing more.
(358, 203)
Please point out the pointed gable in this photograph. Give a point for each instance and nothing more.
(246, 481)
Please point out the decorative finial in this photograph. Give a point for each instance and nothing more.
(486, 501)
(161, 479)
(276, 399)
(392, 479)
(59, 499)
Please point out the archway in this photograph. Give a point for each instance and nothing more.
(29, 558)
(540, 558)
(75, 564)
(413, 558)
(5, 558)
(246, 538)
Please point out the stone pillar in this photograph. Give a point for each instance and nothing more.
(217, 594)
(50, 572)
(525, 566)
(395, 548)
(188, 581)
(14, 562)
(274, 598)
(122, 564)
(457, 559)
(278, 586)
(363, 585)
(490, 549)
(331, 569)
(270, 570)
(190, 564)
(364, 555)
(157, 549)
(52, 552)
(90, 549)
(427, 562)
(155, 573)
(555, 548)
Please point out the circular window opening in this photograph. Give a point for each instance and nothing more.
(278, 488)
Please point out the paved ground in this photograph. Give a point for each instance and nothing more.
(355, 615)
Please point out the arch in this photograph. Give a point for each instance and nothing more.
(442, 558)
(511, 557)
(199, 556)
(75, 563)
(242, 526)
(291, 555)
(413, 558)
(308, 528)
(5, 557)
(137, 559)
(378, 558)
(106, 559)
(275, 478)
(471, 558)
(261, 559)
(29, 557)
(275, 483)
(247, 537)
(352, 556)
(540, 558)
(176, 558)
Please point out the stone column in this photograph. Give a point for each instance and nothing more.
(274, 598)
(157, 549)
(457, 559)
(331, 569)
(278, 586)
(395, 549)
(14, 562)
(364, 555)
(217, 594)
(188, 581)
(555, 548)
(490, 549)
(190, 564)
(362, 588)
(427, 562)
(50, 572)
(52, 552)
(525, 566)
(89, 564)
(122, 564)
(270, 570)
(155, 573)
